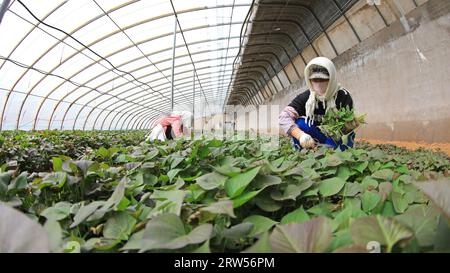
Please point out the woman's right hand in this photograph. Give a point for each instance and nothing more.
(306, 141)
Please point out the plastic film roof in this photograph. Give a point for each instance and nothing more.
(277, 32)
(107, 64)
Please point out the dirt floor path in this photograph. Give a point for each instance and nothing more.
(445, 147)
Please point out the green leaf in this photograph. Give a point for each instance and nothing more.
(312, 236)
(119, 226)
(19, 234)
(405, 178)
(321, 209)
(306, 184)
(442, 238)
(423, 220)
(278, 162)
(388, 165)
(260, 223)
(238, 231)
(311, 192)
(57, 164)
(123, 205)
(166, 231)
(267, 204)
(215, 143)
(402, 169)
(168, 201)
(261, 246)
(331, 186)
(297, 170)
(369, 200)
(102, 152)
(368, 183)
(72, 247)
(18, 183)
(192, 178)
(211, 181)
(236, 185)
(344, 172)
(342, 218)
(388, 209)
(176, 162)
(134, 243)
(290, 192)
(84, 165)
(383, 230)
(117, 195)
(360, 167)
(351, 189)
(286, 165)
(308, 163)
(332, 161)
(244, 198)
(342, 238)
(376, 154)
(204, 248)
(297, 216)
(438, 192)
(220, 207)
(172, 173)
(400, 203)
(5, 178)
(55, 234)
(385, 188)
(411, 193)
(384, 174)
(114, 202)
(263, 181)
(58, 212)
(85, 211)
(310, 173)
(344, 155)
(227, 170)
(98, 243)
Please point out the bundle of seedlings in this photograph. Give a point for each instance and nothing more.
(339, 124)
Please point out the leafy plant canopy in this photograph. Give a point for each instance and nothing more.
(112, 192)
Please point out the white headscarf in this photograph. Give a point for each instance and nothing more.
(329, 98)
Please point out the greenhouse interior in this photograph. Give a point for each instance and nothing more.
(226, 126)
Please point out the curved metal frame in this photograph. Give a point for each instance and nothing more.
(310, 11)
(116, 52)
(164, 70)
(184, 64)
(101, 39)
(254, 86)
(259, 88)
(143, 117)
(164, 60)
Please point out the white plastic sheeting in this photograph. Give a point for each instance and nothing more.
(50, 81)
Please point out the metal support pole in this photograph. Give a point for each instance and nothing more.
(173, 63)
(381, 15)
(346, 19)
(234, 122)
(257, 122)
(193, 107)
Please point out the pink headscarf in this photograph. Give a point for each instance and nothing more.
(175, 122)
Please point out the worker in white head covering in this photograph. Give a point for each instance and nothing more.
(302, 116)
